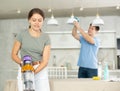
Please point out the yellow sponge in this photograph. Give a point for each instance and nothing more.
(96, 78)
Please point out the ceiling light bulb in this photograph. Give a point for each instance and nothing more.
(118, 7)
(18, 11)
(49, 10)
(81, 8)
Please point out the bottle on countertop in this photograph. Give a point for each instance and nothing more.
(106, 71)
(54, 60)
(100, 70)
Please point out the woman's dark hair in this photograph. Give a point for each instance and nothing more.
(34, 11)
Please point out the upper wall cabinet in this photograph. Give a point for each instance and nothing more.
(66, 40)
(107, 38)
(63, 40)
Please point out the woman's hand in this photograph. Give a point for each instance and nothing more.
(36, 71)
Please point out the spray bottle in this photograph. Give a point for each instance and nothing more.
(106, 72)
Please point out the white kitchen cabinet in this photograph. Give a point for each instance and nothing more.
(107, 38)
(66, 40)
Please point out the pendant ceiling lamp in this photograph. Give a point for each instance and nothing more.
(52, 21)
(71, 19)
(97, 21)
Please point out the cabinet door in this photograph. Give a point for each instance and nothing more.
(59, 40)
(108, 39)
(118, 61)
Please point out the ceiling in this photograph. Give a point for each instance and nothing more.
(60, 8)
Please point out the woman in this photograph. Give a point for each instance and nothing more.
(35, 43)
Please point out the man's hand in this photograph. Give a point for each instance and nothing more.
(76, 24)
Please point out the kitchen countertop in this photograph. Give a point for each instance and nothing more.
(83, 85)
(73, 85)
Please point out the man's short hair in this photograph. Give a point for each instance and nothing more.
(97, 28)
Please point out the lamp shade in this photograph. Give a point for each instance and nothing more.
(52, 21)
(71, 20)
(97, 21)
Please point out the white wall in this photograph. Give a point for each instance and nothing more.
(9, 27)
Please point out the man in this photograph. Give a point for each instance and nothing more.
(87, 61)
